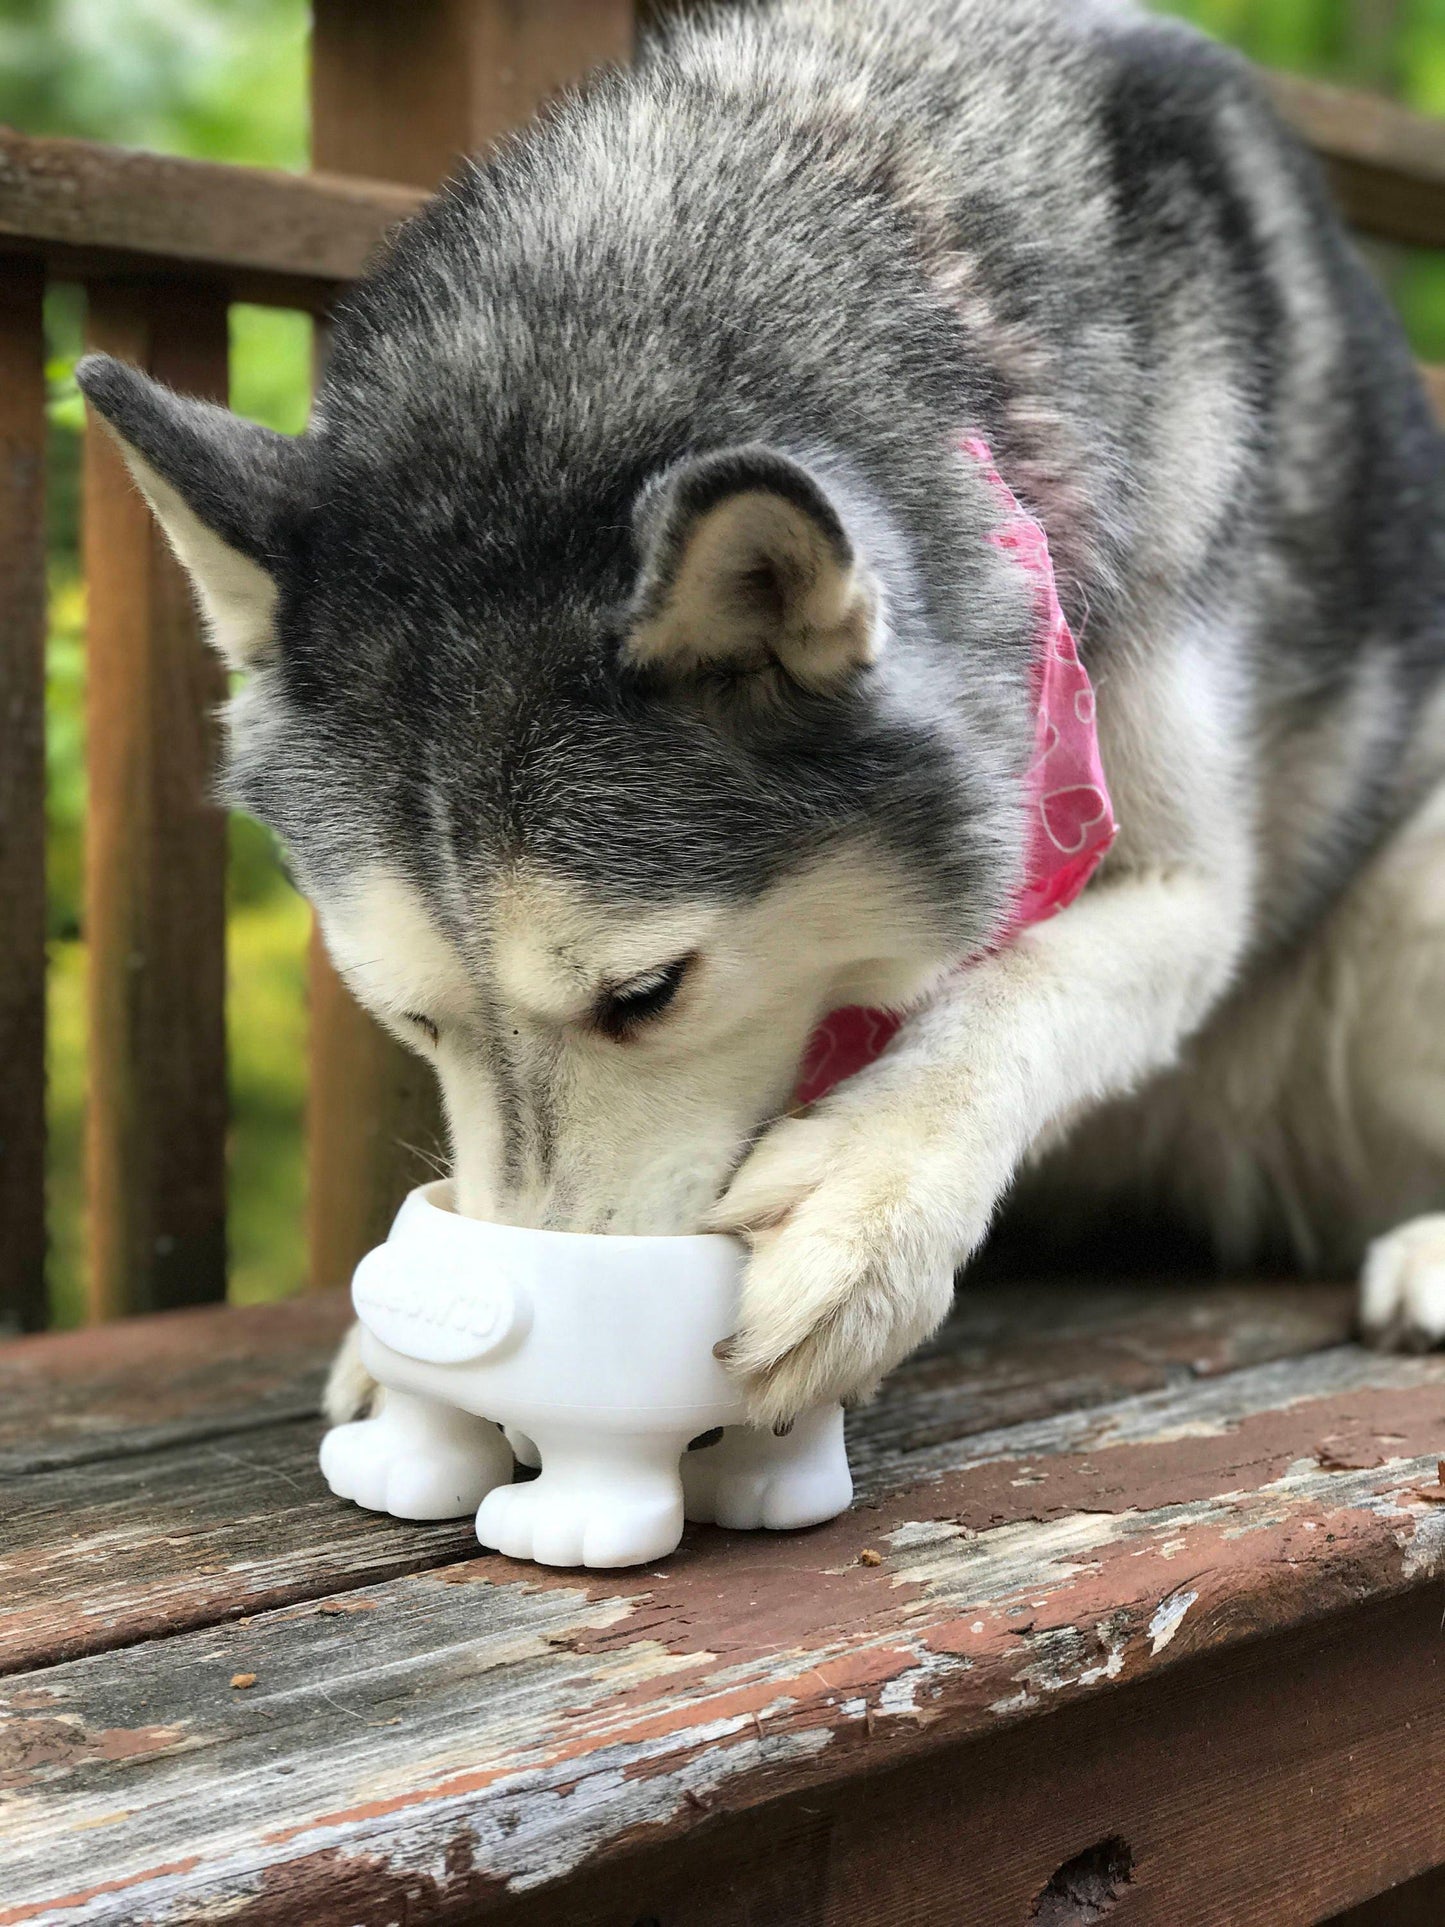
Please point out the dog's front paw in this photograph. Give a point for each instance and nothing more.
(1402, 1287)
(856, 1233)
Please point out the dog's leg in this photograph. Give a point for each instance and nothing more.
(1306, 1122)
(1402, 1286)
(860, 1213)
(1389, 952)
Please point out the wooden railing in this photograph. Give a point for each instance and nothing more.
(161, 247)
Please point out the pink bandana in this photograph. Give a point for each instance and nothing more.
(1071, 822)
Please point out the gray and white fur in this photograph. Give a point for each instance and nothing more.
(632, 679)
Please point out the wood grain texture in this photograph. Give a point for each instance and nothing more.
(489, 1731)
(1264, 1788)
(1414, 1903)
(22, 799)
(71, 1398)
(403, 93)
(223, 1522)
(1007, 1354)
(1386, 164)
(155, 856)
(403, 100)
(88, 210)
(144, 1546)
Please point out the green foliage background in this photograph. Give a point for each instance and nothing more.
(227, 80)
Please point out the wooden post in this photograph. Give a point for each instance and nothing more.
(399, 93)
(155, 892)
(22, 797)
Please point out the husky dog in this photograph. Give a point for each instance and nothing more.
(633, 679)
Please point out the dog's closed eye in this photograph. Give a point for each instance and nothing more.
(423, 1024)
(621, 1011)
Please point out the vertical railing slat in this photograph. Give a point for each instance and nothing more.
(398, 93)
(155, 855)
(22, 797)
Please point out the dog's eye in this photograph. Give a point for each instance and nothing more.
(423, 1024)
(623, 1009)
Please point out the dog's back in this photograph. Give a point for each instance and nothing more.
(1074, 226)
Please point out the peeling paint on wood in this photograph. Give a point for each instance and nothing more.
(1007, 1354)
(534, 1725)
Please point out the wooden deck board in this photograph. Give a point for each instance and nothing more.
(103, 1553)
(67, 1398)
(1008, 1353)
(1268, 1786)
(145, 1546)
(480, 1731)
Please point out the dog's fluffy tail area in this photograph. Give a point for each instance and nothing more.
(350, 1389)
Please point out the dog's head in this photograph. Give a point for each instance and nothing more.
(613, 749)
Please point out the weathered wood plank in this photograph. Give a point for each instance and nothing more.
(22, 799)
(1006, 1355)
(1386, 164)
(1264, 1789)
(1013, 1353)
(405, 105)
(491, 1729)
(89, 210)
(68, 1398)
(99, 1556)
(143, 1547)
(404, 93)
(1417, 1903)
(155, 888)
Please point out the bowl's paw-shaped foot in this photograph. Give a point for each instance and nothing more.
(557, 1522)
(751, 1479)
(358, 1464)
(391, 1464)
(777, 1501)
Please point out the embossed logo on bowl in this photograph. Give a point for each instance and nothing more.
(432, 1314)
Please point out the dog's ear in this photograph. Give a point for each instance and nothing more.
(219, 488)
(747, 565)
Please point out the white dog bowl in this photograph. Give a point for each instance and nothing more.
(596, 1353)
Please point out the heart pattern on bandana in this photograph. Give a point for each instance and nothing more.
(1071, 819)
(1069, 815)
